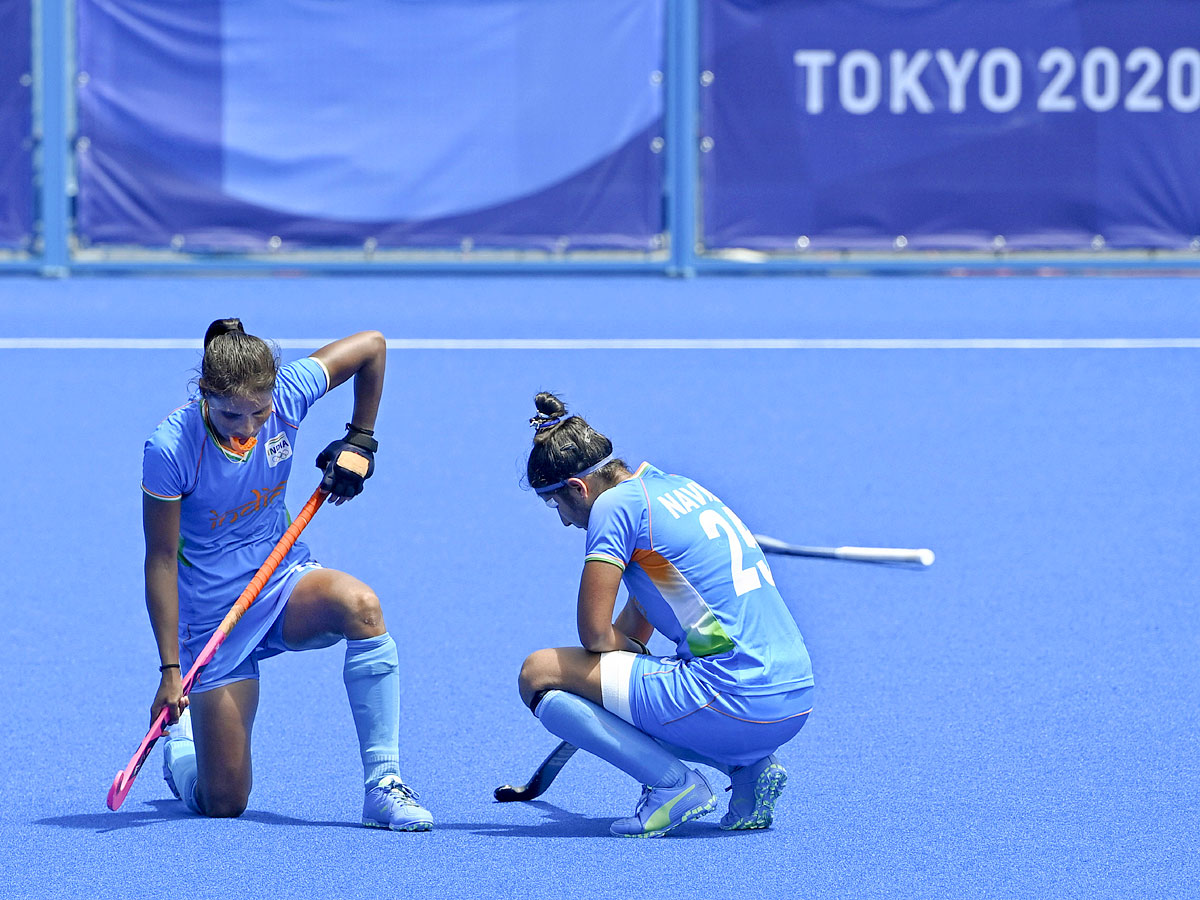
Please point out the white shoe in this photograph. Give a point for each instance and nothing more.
(182, 729)
(179, 743)
(394, 805)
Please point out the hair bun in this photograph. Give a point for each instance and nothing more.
(549, 405)
(565, 446)
(220, 327)
(550, 412)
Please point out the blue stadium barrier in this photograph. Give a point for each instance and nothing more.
(884, 178)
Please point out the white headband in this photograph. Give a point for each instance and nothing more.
(588, 471)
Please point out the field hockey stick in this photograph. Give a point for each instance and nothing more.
(857, 554)
(542, 778)
(124, 779)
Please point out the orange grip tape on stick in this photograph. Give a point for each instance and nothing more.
(263, 575)
(124, 779)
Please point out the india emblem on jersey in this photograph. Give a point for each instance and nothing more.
(278, 449)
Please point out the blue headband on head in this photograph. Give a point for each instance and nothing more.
(580, 474)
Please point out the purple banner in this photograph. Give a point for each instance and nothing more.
(994, 124)
(16, 169)
(477, 124)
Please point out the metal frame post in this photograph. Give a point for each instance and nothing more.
(682, 114)
(51, 86)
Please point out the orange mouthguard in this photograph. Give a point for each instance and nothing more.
(242, 446)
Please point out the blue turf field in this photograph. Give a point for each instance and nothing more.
(1020, 720)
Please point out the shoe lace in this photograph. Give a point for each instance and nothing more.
(398, 790)
(643, 800)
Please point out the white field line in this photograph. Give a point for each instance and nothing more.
(1171, 343)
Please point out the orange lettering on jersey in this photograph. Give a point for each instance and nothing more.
(261, 500)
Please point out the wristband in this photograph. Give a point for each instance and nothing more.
(166, 666)
(361, 438)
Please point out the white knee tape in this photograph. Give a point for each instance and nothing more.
(616, 669)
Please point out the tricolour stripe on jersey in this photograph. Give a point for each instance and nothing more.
(705, 636)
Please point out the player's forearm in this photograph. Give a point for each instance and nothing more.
(162, 604)
(635, 645)
(602, 640)
(368, 380)
(631, 622)
(594, 617)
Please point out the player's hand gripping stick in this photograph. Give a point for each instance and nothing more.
(348, 462)
(124, 779)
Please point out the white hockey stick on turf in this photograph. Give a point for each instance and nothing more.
(923, 557)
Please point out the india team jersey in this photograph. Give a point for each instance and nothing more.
(231, 505)
(700, 579)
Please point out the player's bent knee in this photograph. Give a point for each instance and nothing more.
(225, 807)
(223, 795)
(363, 609)
(536, 673)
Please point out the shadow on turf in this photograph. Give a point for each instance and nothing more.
(151, 813)
(560, 823)
(155, 812)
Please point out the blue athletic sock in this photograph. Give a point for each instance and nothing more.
(609, 737)
(372, 677)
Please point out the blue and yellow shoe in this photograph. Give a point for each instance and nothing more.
(393, 804)
(755, 788)
(662, 809)
(178, 748)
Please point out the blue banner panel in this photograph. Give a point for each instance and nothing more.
(256, 124)
(16, 168)
(927, 124)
